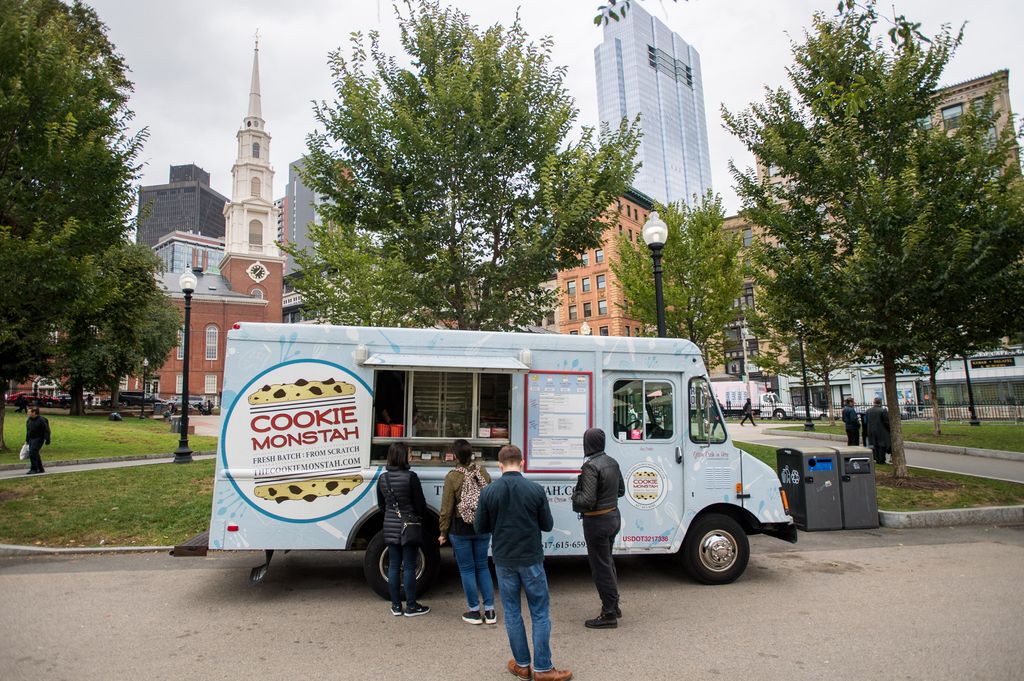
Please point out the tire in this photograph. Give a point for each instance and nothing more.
(716, 549)
(778, 415)
(375, 562)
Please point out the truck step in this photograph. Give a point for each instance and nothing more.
(197, 546)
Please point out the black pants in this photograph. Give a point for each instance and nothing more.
(852, 437)
(600, 531)
(880, 453)
(748, 416)
(35, 461)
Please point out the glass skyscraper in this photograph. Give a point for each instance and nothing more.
(644, 68)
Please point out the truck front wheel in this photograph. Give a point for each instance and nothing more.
(375, 567)
(779, 414)
(716, 549)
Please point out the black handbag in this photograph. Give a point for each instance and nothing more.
(412, 528)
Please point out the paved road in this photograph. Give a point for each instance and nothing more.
(881, 604)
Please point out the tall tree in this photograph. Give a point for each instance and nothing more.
(461, 166)
(127, 319)
(703, 276)
(864, 196)
(67, 164)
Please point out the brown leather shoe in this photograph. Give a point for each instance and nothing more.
(519, 672)
(553, 675)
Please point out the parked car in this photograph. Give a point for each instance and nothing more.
(134, 399)
(53, 401)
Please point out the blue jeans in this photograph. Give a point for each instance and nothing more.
(402, 557)
(534, 582)
(471, 555)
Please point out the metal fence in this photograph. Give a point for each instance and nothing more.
(1012, 413)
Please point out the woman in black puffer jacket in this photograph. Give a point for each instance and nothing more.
(400, 497)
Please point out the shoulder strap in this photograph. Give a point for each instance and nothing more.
(390, 493)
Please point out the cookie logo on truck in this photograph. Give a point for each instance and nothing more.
(645, 486)
(296, 439)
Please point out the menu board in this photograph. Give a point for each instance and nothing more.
(558, 411)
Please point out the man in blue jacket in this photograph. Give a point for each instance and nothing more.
(515, 511)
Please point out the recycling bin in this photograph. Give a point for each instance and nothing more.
(810, 479)
(857, 488)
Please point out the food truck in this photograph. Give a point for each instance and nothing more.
(309, 412)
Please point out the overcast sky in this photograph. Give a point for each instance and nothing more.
(191, 61)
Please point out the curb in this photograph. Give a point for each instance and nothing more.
(909, 444)
(102, 459)
(15, 550)
(955, 517)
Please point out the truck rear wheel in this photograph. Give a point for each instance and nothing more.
(375, 567)
(716, 549)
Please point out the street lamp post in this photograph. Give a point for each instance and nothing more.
(970, 394)
(145, 367)
(655, 234)
(183, 454)
(808, 423)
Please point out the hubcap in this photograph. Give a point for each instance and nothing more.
(421, 562)
(718, 551)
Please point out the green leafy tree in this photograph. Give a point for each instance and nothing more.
(67, 164)
(702, 276)
(460, 166)
(347, 279)
(129, 319)
(865, 198)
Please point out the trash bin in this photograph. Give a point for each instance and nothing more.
(857, 488)
(810, 479)
(158, 408)
(175, 424)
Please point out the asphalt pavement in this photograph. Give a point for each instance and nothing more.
(882, 604)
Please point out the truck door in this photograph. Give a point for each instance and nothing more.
(716, 464)
(644, 433)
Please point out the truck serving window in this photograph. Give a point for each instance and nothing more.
(431, 409)
(706, 424)
(642, 410)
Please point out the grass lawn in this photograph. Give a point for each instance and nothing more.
(1005, 436)
(156, 504)
(926, 490)
(90, 437)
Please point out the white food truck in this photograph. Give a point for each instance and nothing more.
(310, 410)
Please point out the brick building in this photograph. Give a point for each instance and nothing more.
(590, 293)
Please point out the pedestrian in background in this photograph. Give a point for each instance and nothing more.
(459, 500)
(515, 511)
(21, 403)
(748, 413)
(596, 499)
(852, 422)
(876, 427)
(37, 432)
(400, 497)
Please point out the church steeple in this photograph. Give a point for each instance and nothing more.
(255, 111)
(250, 228)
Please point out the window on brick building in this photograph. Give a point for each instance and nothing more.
(602, 306)
(603, 331)
(181, 344)
(587, 310)
(178, 384)
(572, 312)
(599, 255)
(586, 259)
(210, 384)
(600, 281)
(586, 284)
(211, 341)
(570, 287)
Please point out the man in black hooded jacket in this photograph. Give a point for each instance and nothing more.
(596, 499)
